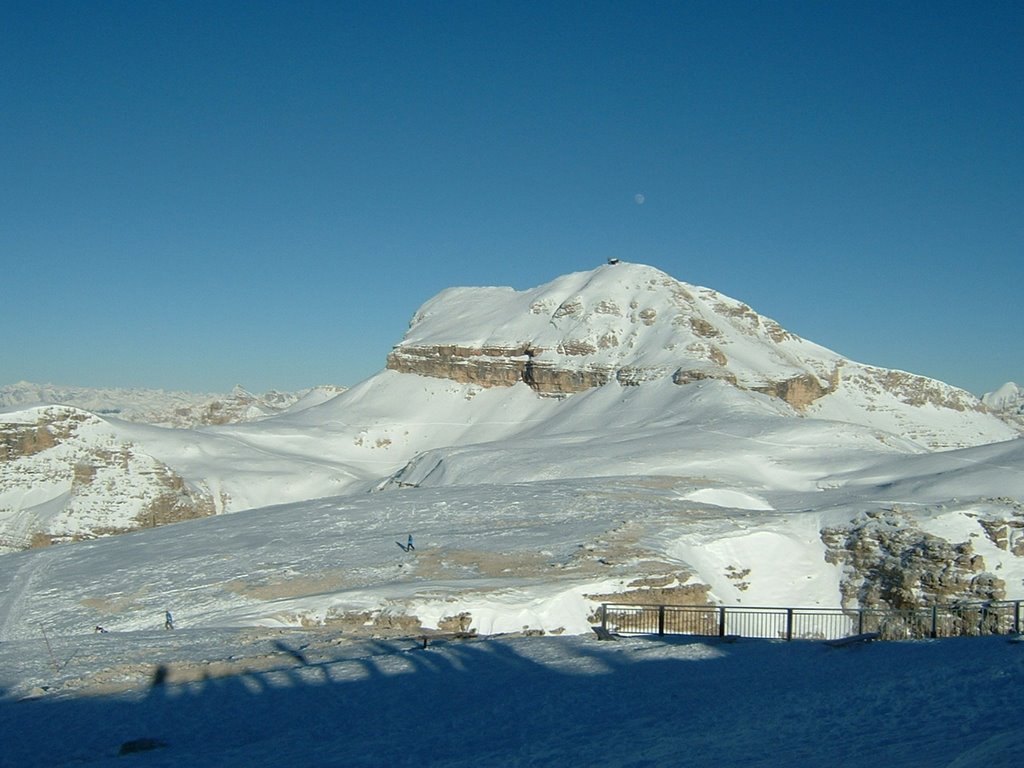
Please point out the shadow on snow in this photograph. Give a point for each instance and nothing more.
(544, 701)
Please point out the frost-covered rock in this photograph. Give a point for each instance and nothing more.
(891, 560)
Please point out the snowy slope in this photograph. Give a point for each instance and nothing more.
(687, 361)
(1007, 397)
(296, 631)
(708, 430)
(68, 473)
(528, 509)
(536, 554)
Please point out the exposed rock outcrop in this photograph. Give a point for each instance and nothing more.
(911, 389)
(504, 367)
(799, 391)
(484, 366)
(83, 482)
(889, 562)
(548, 379)
(19, 440)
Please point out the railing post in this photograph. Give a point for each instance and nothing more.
(860, 621)
(1016, 617)
(604, 615)
(721, 621)
(789, 623)
(935, 621)
(661, 620)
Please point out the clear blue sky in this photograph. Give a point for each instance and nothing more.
(198, 195)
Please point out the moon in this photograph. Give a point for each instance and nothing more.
(639, 199)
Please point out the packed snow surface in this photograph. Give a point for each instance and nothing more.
(263, 697)
(276, 657)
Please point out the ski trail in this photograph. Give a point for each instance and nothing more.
(13, 601)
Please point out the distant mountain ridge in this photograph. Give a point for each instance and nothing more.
(165, 408)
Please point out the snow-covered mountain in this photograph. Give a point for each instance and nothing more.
(166, 409)
(613, 434)
(633, 324)
(1007, 402)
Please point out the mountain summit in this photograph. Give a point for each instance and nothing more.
(631, 324)
(621, 322)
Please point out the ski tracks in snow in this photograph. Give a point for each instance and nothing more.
(13, 601)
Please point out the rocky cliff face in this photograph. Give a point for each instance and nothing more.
(889, 560)
(501, 367)
(64, 476)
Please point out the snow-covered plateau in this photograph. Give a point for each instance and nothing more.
(611, 436)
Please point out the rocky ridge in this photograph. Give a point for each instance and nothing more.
(64, 476)
(890, 560)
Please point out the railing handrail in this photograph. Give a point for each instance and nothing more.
(934, 620)
(924, 607)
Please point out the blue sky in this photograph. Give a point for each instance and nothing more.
(198, 195)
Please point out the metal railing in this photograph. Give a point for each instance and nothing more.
(966, 619)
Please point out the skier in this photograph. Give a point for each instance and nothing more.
(168, 620)
(409, 547)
